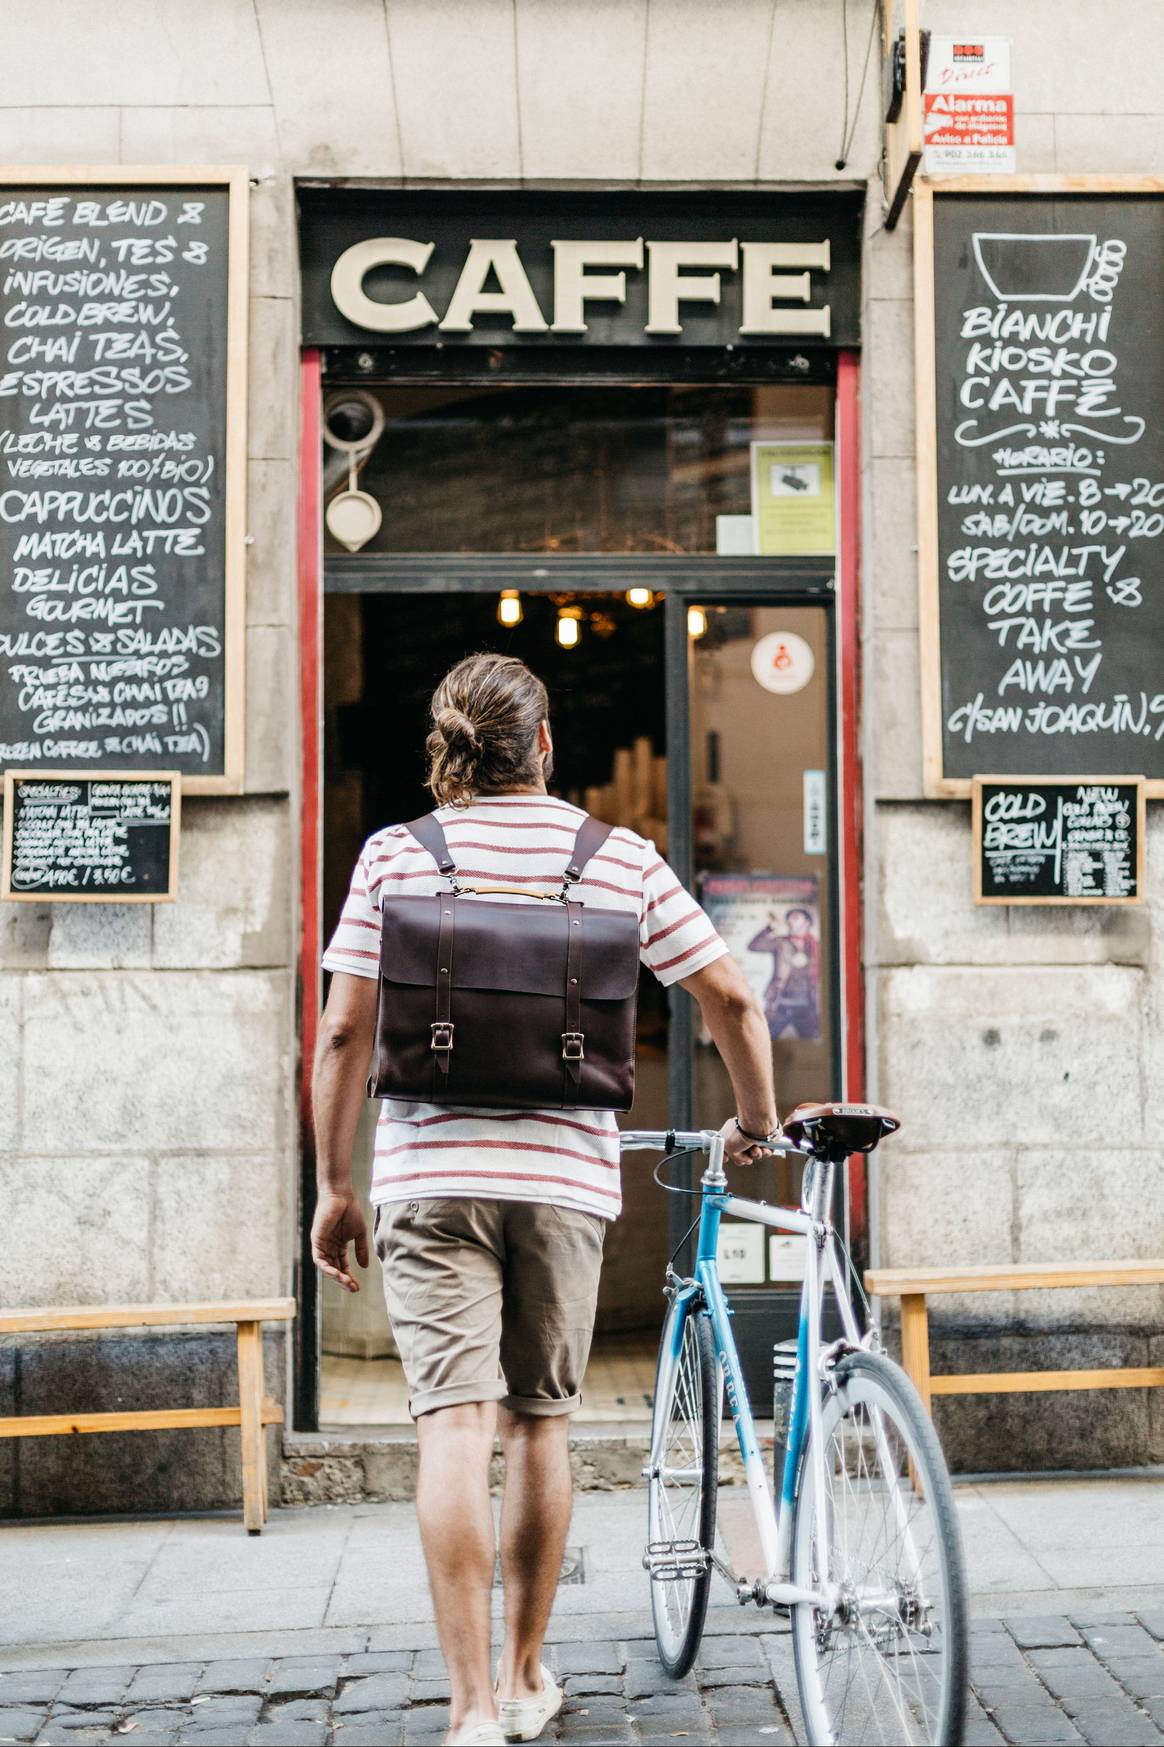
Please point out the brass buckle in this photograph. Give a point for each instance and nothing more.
(442, 1034)
(572, 1050)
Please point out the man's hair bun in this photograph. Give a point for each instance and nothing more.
(485, 716)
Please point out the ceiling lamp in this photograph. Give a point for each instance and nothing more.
(696, 621)
(639, 597)
(509, 610)
(569, 627)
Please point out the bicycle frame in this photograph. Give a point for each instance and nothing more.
(823, 1267)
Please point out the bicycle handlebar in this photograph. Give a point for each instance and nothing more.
(656, 1140)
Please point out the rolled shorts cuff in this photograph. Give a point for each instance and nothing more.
(455, 1395)
(539, 1407)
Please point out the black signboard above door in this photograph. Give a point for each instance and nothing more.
(1041, 489)
(505, 281)
(123, 316)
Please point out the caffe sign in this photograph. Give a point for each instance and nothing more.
(441, 267)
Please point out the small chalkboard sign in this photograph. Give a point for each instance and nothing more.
(1058, 840)
(105, 837)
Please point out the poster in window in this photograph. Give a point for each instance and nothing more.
(793, 499)
(771, 923)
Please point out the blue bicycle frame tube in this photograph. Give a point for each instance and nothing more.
(707, 1275)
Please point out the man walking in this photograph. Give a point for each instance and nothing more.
(489, 1223)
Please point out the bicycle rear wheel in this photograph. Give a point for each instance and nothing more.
(889, 1664)
(681, 1497)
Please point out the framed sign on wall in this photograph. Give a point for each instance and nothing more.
(123, 335)
(101, 838)
(1040, 373)
(1058, 840)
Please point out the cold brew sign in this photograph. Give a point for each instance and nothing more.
(1041, 518)
(122, 458)
(1041, 841)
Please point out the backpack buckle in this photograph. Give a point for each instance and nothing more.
(442, 1034)
(572, 1050)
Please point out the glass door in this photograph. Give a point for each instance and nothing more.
(762, 859)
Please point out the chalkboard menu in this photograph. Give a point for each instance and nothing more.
(111, 837)
(1041, 459)
(1041, 841)
(122, 466)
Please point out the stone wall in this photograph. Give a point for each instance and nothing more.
(146, 1059)
(1018, 1044)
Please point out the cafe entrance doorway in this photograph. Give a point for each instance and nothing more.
(694, 698)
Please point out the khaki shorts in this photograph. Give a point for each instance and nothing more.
(491, 1300)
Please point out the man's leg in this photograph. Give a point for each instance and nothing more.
(535, 1519)
(456, 1527)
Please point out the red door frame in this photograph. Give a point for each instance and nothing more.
(849, 776)
(310, 581)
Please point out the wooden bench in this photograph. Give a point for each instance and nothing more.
(915, 1285)
(255, 1408)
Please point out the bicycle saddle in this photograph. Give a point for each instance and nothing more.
(835, 1130)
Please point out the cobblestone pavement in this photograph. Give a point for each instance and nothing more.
(1091, 1677)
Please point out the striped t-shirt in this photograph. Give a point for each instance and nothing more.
(568, 1157)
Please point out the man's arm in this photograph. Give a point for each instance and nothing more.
(739, 1030)
(342, 1054)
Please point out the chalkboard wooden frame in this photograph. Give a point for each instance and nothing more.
(978, 783)
(12, 778)
(234, 177)
(937, 786)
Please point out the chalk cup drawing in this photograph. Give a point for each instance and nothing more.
(1048, 267)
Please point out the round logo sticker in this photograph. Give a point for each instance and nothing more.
(783, 662)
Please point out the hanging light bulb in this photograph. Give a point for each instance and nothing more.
(569, 627)
(696, 621)
(509, 609)
(639, 597)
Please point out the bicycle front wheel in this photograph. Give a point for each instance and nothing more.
(888, 1662)
(682, 1493)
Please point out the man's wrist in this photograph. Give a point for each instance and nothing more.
(759, 1130)
(335, 1190)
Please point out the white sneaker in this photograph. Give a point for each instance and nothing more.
(481, 1735)
(523, 1719)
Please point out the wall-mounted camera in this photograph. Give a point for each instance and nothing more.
(353, 423)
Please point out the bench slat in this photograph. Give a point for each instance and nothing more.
(33, 1321)
(1022, 1382)
(1012, 1277)
(46, 1425)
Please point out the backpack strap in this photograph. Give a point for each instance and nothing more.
(428, 833)
(592, 834)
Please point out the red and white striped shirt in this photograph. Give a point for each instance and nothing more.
(567, 1157)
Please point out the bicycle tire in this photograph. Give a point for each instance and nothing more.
(679, 1606)
(928, 1661)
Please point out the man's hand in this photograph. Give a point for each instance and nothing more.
(339, 1221)
(738, 1149)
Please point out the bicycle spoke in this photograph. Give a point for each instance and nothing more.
(678, 1491)
(879, 1663)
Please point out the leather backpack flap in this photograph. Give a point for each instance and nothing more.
(509, 1004)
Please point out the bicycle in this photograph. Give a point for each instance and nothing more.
(863, 1550)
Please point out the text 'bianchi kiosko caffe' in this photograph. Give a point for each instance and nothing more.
(615, 434)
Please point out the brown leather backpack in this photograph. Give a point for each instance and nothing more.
(525, 1006)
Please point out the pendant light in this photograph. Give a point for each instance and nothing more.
(568, 630)
(509, 608)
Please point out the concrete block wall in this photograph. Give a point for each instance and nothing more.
(1021, 1046)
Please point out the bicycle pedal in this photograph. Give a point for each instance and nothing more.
(672, 1561)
